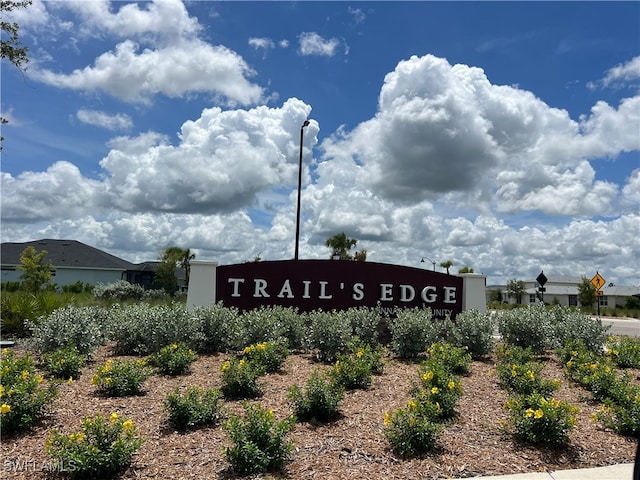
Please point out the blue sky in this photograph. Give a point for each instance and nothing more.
(504, 136)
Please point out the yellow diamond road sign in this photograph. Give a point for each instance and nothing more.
(597, 281)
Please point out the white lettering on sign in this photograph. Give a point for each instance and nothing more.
(306, 284)
(235, 282)
(426, 296)
(260, 288)
(449, 295)
(323, 294)
(388, 291)
(285, 291)
(407, 293)
(358, 291)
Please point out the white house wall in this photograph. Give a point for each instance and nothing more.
(68, 276)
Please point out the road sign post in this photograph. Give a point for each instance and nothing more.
(598, 281)
(541, 279)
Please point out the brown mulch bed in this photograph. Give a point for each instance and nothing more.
(350, 447)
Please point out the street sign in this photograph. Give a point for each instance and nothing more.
(597, 281)
(599, 293)
(541, 279)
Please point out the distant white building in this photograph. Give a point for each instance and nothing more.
(563, 290)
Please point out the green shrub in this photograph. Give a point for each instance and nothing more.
(412, 429)
(318, 401)
(64, 363)
(622, 415)
(624, 351)
(270, 355)
(259, 443)
(81, 327)
(351, 371)
(364, 324)
(194, 408)
(22, 396)
(214, 325)
(268, 324)
(121, 378)
(142, 329)
(438, 386)
(525, 378)
(569, 324)
(510, 354)
(527, 327)
(412, 331)
(16, 307)
(474, 330)
(371, 354)
(536, 419)
(240, 378)
(174, 359)
(455, 359)
(120, 290)
(102, 449)
(328, 333)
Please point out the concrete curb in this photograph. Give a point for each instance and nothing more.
(623, 471)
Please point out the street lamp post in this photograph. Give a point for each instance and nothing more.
(305, 124)
(432, 262)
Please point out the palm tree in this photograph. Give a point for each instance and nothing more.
(447, 264)
(185, 262)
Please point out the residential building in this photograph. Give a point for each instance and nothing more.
(76, 262)
(563, 290)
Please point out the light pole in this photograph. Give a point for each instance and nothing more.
(432, 262)
(305, 124)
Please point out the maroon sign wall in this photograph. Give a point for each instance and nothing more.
(337, 285)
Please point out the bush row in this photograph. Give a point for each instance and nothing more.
(534, 416)
(143, 329)
(598, 374)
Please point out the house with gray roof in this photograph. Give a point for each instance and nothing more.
(563, 290)
(76, 262)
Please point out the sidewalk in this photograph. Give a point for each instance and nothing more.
(622, 471)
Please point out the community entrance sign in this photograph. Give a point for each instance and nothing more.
(333, 285)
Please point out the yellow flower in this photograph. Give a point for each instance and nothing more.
(387, 419)
(25, 374)
(40, 378)
(174, 346)
(411, 404)
(1, 390)
(569, 363)
(225, 366)
(538, 413)
(127, 425)
(435, 390)
(5, 408)
(529, 413)
(94, 379)
(114, 416)
(359, 353)
(451, 385)
(531, 375)
(242, 362)
(70, 381)
(427, 376)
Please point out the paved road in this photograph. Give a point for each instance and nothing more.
(623, 326)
